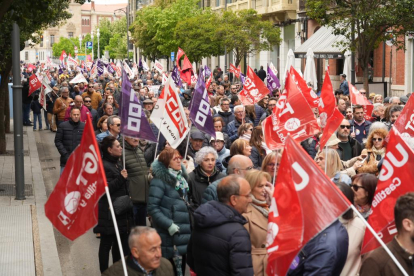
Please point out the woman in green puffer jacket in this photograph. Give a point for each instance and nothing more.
(167, 207)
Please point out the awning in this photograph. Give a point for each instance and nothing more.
(324, 44)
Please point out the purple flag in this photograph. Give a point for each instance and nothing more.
(110, 69)
(61, 68)
(242, 78)
(272, 81)
(175, 75)
(200, 113)
(134, 123)
(100, 66)
(140, 64)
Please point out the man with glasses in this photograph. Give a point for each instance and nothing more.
(233, 90)
(349, 147)
(83, 109)
(239, 119)
(114, 128)
(359, 126)
(88, 103)
(96, 97)
(225, 113)
(219, 244)
(395, 100)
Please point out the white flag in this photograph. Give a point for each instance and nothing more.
(145, 65)
(72, 61)
(94, 71)
(79, 78)
(158, 66)
(135, 69)
(118, 69)
(128, 70)
(43, 91)
(169, 115)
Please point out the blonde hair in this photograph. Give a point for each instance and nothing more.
(255, 176)
(333, 164)
(269, 158)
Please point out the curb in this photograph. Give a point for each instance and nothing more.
(48, 247)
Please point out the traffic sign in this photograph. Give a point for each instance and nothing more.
(89, 44)
(172, 56)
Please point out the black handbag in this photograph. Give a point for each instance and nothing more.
(122, 205)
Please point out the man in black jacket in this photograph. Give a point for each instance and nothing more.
(349, 147)
(225, 113)
(219, 244)
(68, 136)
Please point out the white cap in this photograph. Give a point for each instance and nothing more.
(219, 137)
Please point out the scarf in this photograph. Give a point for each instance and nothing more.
(261, 206)
(380, 152)
(181, 182)
(365, 210)
(245, 137)
(264, 146)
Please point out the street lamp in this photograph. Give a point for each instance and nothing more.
(92, 44)
(47, 51)
(98, 35)
(127, 21)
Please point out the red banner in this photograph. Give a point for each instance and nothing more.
(72, 207)
(187, 70)
(304, 203)
(292, 115)
(34, 84)
(405, 122)
(395, 180)
(62, 56)
(234, 70)
(30, 68)
(332, 125)
(327, 102)
(253, 88)
(307, 92)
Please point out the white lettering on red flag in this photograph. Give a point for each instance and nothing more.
(34, 84)
(253, 88)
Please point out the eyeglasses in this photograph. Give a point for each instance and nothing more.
(87, 101)
(356, 187)
(273, 164)
(246, 196)
(177, 158)
(247, 169)
(377, 139)
(118, 125)
(224, 104)
(238, 112)
(343, 126)
(90, 86)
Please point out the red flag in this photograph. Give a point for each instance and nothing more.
(291, 115)
(332, 125)
(395, 180)
(62, 56)
(187, 70)
(253, 88)
(356, 97)
(72, 206)
(34, 84)
(307, 92)
(304, 203)
(235, 70)
(30, 68)
(405, 122)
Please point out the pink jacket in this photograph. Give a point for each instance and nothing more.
(84, 112)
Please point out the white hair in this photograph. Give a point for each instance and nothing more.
(392, 98)
(238, 107)
(138, 231)
(377, 106)
(203, 152)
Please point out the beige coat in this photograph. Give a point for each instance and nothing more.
(257, 227)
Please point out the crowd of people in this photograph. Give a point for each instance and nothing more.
(208, 204)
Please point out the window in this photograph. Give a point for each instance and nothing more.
(70, 34)
(41, 41)
(26, 55)
(217, 3)
(52, 40)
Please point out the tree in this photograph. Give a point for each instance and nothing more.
(65, 44)
(244, 32)
(196, 36)
(117, 47)
(369, 22)
(26, 14)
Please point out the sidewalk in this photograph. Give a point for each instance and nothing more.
(27, 240)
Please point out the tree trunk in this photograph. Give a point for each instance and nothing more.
(4, 105)
(365, 72)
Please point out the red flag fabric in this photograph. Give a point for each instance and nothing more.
(253, 88)
(332, 125)
(405, 122)
(187, 70)
(62, 56)
(395, 180)
(72, 207)
(356, 97)
(30, 68)
(235, 70)
(34, 84)
(304, 203)
(327, 102)
(307, 92)
(291, 115)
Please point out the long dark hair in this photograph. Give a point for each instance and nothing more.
(256, 140)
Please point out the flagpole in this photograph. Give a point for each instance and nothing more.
(274, 173)
(158, 140)
(188, 141)
(123, 150)
(326, 158)
(379, 240)
(118, 237)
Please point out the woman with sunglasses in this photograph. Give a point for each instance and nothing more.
(167, 206)
(245, 131)
(375, 151)
(257, 216)
(364, 185)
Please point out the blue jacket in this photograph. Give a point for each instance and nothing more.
(219, 243)
(211, 192)
(233, 127)
(344, 87)
(259, 113)
(325, 254)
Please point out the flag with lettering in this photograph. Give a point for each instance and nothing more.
(78, 79)
(253, 88)
(176, 77)
(110, 69)
(128, 70)
(235, 70)
(145, 66)
(134, 123)
(395, 179)
(34, 84)
(273, 82)
(307, 91)
(72, 207)
(358, 99)
(63, 55)
(158, 66)
(43, 91)
(118, 69)
(405, 122)
(100, 66)
(200, 112)
(304, 203)
(292, 115)
(169, 116)
(72, 61)
(186, 71)
(208, 76)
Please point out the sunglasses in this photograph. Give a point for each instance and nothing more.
(87, 101)
(90, 86)
(343, 126)
(118, 125)
(356, 187)
(377, 139)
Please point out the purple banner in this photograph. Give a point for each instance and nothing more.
(100, 66)
(272, 81)
(242, 78)
(200, 113)
(61, 68)
(134, 123)
(175, 75)
(207, 73)
(140, 64)
(110, 69)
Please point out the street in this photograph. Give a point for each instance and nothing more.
(79, 257)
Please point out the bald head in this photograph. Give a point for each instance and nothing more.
(235, 191)
(78, 101)
(239, 164)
